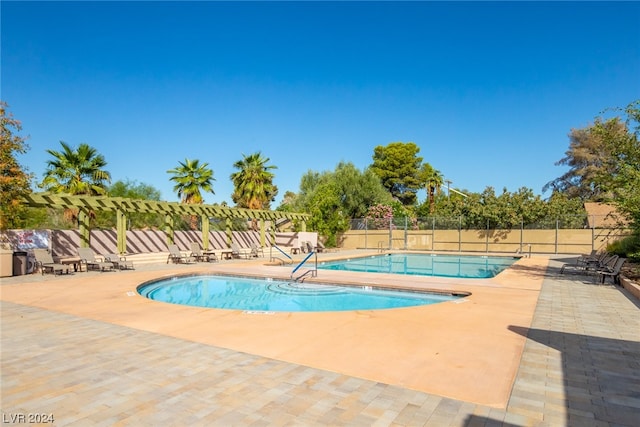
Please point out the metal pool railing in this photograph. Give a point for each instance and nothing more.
(314, 271)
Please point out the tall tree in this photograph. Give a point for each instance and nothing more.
(76, 171)
(624, 149)
(334, 197)
(132, 190)
(191, 180)
(325, 208)
(358, 189)
(398, 165)
(590, 161)
(253, 182)
(14, 179)
(433, 181)
(604, 161)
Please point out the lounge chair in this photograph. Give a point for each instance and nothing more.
(589, 267)
(237, 252)
(323, 248)
(45, 262)
(178, 257)
(612, 270)
(256, 251)
(197, 253)
(309, 247)
(92, 262)
(594, 256)
(119, 262)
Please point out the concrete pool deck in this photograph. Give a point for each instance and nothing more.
(528, 347)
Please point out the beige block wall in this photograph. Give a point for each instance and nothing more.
(570, 241)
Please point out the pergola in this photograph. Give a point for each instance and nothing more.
(123, 206)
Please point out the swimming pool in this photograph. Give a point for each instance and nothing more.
(267, 295)
(476, 267)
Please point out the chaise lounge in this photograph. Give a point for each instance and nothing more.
(119, 262)
(197, 253)
(178, 257)
(45, 262)
(92, 262)
(611, 270)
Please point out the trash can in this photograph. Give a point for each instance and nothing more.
(20, 263)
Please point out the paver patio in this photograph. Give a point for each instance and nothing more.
(84, 350)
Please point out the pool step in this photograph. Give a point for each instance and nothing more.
(304, 288)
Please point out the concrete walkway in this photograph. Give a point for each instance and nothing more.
(579, 366)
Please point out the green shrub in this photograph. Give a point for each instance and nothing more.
(629, 247)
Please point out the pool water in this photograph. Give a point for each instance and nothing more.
(266, 295)
(476, 267)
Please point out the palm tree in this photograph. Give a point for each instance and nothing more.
(253, 183)
(433, 180)
(76, 171)
(192, 178)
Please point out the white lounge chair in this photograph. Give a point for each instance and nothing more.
(197, 253)
(256, 251)
(92, 262)
(178, 257)
(237, 252)
(120, 262)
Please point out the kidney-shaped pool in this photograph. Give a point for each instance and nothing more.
(270, 295)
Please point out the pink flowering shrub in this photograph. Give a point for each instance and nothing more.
(379, 216)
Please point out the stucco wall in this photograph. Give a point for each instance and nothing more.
(569, 241)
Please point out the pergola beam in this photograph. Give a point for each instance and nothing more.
(103, 203)
(124, 206)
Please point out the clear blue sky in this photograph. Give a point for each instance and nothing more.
(488, 90)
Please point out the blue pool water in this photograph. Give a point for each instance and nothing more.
(476, 267)
(250, 294)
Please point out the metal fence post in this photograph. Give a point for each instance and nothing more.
(460, 233)
(366, 233)
(521, 233)
(486, 240)
(433, 233)
(405, 233)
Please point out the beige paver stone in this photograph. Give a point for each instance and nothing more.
(214, 366)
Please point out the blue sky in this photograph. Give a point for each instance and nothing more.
(488, 90)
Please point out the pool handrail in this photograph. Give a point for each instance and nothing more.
(314, 272)
(283, 252)
(272, 256)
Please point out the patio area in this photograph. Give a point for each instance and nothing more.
(529, 347)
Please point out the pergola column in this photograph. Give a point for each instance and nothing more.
(204, 220)
(262, 230)
(168, 228)
(273, 232)
(121, 227)
(83, 227)
(228, 229)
